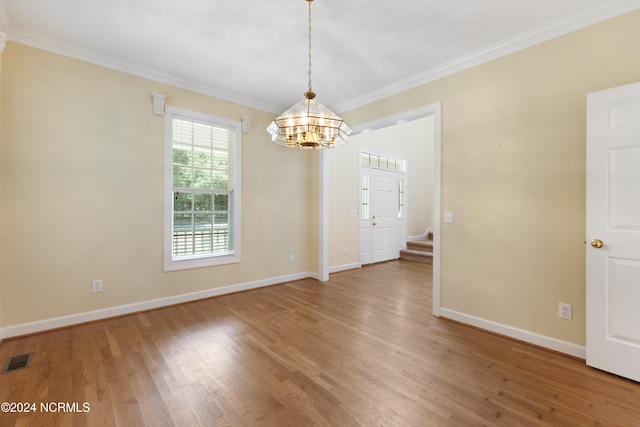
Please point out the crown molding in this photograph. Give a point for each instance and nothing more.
(538, 35)
(132, 69)
(521, 41)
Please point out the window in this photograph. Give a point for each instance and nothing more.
(365, 197)
(202, 190)
(400, 198)
(382, 162)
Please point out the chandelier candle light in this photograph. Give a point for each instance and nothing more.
(309, 124)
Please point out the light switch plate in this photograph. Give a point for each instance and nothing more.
(448, 217)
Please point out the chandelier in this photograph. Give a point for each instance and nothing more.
(309, 124)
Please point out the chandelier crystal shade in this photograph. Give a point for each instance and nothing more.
(309, 124)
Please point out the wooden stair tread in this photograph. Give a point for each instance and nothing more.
(416, 252)
(416, 256)
(424, 244)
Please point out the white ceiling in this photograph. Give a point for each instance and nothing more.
(255, 51)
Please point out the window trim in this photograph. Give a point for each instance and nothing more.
(199, 260)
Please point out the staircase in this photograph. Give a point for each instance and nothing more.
(420, 250)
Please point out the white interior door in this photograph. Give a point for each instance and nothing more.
(613, 230)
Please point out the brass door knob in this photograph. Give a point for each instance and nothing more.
(597, 243)
(375, 223)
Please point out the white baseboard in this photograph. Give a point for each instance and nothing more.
(519, 334)
(90, 316)
(343, 267)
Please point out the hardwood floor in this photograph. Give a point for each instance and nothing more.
(359, 350)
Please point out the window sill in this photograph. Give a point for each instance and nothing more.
(200, 262)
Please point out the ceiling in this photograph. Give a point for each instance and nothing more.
(255, 52)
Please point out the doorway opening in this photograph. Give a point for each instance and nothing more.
(429, 189)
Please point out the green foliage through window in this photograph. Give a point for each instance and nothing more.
(203, 187)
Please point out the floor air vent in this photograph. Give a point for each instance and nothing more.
(17, 362)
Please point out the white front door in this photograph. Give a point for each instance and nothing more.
(384, 210)
(613, 231)
(382, 232)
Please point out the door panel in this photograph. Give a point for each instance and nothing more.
(623, 296)
(613, 216)
(624, 198)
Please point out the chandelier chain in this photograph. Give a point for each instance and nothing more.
(310, 88)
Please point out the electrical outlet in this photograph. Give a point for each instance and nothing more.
(96, 285)
(565, 311)
(292, 259)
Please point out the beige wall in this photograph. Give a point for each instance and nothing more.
(82, 191)
(513, 174)
(343, 197)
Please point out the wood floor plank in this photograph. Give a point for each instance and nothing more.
(359, 350)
